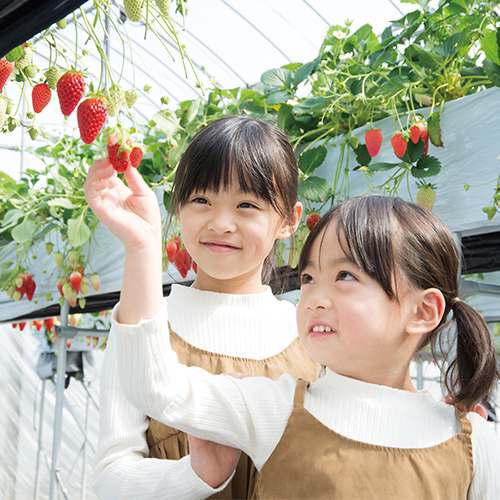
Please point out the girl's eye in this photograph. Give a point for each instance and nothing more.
(306, 279)
(247, 204)
(345, 276)
(199, 199)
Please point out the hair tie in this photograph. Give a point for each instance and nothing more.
(455, 301)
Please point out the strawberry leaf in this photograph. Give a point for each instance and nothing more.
(414, 151)
(315, 189)
(362, 155)
(379, 166)
(278, 97)
(492, 71)
(427, 166)
(311, 159)
(434, 126)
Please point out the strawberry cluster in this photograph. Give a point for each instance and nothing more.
(38, 324)
(24, 284)
(179, 256)
(122, 151)
(399, 140)
(74, 281)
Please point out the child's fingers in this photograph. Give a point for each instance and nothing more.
(135, 181)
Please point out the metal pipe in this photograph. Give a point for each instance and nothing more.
(58, 413)
(40, 429)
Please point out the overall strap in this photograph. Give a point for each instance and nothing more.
(300, 392)
(464, 421)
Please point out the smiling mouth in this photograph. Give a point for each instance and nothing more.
(220, 247)
(319, 331)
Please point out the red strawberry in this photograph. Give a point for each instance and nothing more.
(136, 156)
(30, 287)
(6, 68)
(40, 96)
(22, 325)
(171, 250)
(88, 341)
(399, 144)
(70, 89)
(119, 159)
(424, 135)
(415, 134)
(187, 259)
(312, 220)
(178, 242)
(95, 341)
(373, 140)
(38, 325)
(195, 267)
(91, 115)
(48, 323)
(75, 278)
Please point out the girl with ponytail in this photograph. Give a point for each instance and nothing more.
(379, 284)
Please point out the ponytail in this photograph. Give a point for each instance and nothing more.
(475, 369)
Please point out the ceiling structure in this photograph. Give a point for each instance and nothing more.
(230, 42)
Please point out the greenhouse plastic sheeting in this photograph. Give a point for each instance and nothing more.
(471, 131)
(22, 19)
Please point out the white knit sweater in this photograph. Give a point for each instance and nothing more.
(251, 326)
(251, 414)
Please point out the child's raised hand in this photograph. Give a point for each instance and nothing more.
(212, 462)
(131, 211)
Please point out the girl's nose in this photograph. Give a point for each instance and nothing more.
(222, 222)
(319, 299)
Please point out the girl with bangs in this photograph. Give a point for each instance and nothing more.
(235, 194)
(379, 280)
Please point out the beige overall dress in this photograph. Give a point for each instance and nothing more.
(168, 443)
(337, 467)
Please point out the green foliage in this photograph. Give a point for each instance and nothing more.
(424, 59)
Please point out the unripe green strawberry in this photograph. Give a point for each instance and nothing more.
(52, 75)
(133, 9)
(61, 24)
(9, 107)
(33, 132)
(12, 123)
(58, 259)
(31, 70)
(49, 247)
(26, 59)
(163, 7)
(84, 287)
(131, 97)
(48, 297)
(95, 281)
(81, 302)
(114, 100)
(426, 195)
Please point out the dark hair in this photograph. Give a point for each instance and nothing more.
(390, 239)
(256, 151)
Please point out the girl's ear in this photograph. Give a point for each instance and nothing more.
(287, 229)
(430, 305)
